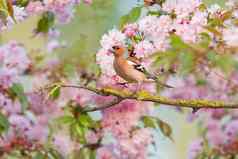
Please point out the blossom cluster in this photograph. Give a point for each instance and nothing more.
(121, 134)
(27, 126)
(14, 62)
(63, 10)
(218, 126)
(150, 35)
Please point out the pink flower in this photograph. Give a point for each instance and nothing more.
(213, 9)
(130, 30)
(105, 153)
(63, 9)
(88, 1)
(63, 143)
(231, 130)
(148, 25)
(153, 26)
(14, 61)
(113, 37)
(92, 137)
(83, 97)
(121, 118)
(144, 48)
(105, 61)
(182, 8)
(216, 138)
(161, 43)
(195, 149)
(53, 45)
(136, 145)
(230, 36)
(38, 133)
(35, 7)
(20, 123)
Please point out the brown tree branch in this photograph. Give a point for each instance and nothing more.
(145, 96)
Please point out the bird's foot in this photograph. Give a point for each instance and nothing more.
(124, 84)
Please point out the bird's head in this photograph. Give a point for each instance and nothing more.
(117, 50)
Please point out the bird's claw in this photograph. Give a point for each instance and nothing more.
(124, 84)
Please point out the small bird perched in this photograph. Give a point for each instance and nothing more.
(130, 69)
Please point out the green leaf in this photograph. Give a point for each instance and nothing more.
(205, 40)
(4, 123)
(149, 122)
(165, 128)
(225, 62)
(67, 119)
(39, 155)
(154, 122)
(22, 3)
(3, 15)
(93, 154)
(131, 17)
(3, 4)
(202, 7)
(46, 22)
(160, 2)
(201, 82)
(85, 120)
(177, 43)
(166, 59)
(18, 90)
(78, 132)
(157, 13)
(54, 154)
(135, 14)
(211, 56)
(55, 92)
(69, 70)
(10, 9)
(226, 15)
(215, 22)
(84, 153)
(123, 20)
(187, 62)
(5, 10)
(213, 30)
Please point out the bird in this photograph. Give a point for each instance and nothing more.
(131, 70)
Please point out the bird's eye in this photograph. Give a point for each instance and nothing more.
(115, 47)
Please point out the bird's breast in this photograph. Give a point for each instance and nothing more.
(127, 72)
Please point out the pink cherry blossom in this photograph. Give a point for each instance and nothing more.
(144, 48)
(113, 37)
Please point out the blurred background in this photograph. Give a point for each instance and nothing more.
(82, 37)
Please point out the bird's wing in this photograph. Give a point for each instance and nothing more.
(137, 66)
(134, 59)
(142, 69)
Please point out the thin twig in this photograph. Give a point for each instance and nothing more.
(116, 101)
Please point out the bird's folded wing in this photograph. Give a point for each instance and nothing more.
(137, 66)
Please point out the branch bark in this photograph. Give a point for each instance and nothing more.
(145, 96)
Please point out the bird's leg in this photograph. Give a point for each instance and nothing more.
(138, 87)
(124, 84)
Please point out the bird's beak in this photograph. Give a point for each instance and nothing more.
(112, 51)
